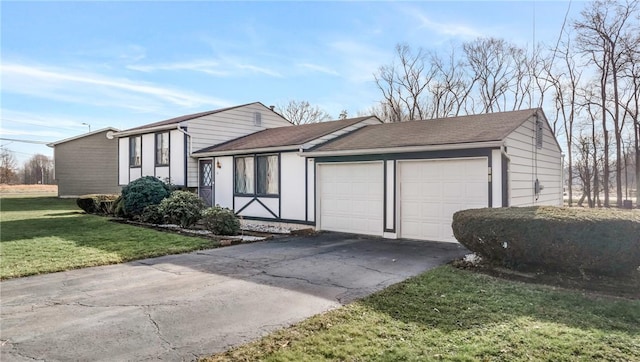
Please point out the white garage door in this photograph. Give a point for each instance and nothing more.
(350, 197)
(432, 190)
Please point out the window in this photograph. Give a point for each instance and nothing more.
(267, 179)
(135, 151)
(162, 149)
(244, 175)
(257, 175)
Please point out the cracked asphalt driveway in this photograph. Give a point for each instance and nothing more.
(180, 307)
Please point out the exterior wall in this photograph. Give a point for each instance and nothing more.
(527, 162)
(223, 182)
(175, 172)
(87, 165)
(224, 126)
(292, 186)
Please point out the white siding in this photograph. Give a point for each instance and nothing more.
(220, 127)
(292, 186)
(148, 157)
(528, 162)
(223, 181)
(249, 206)
(390, 195)
(123, 161)
(177, 157)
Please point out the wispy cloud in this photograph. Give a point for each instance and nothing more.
(450, 29)
(318, 68)
(358, 61)
(77, 86)
(202, 66)
(222, 67)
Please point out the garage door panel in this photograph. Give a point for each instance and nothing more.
(431, 191)
(351, 197)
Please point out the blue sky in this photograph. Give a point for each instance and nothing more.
(124, 64)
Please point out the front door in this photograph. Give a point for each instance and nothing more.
(205, 185)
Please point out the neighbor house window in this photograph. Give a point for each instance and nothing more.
(162, 149)
(135, 151)
(257, 175)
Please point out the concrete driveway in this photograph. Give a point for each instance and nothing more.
(181, 307)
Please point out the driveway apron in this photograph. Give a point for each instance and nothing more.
(181, 307)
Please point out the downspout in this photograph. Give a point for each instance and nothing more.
(186, 166)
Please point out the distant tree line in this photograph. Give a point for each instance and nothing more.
(37, 170)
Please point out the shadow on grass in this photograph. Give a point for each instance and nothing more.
(8, 204)
(454, 300)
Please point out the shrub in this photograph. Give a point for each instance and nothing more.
(143, 192)
(182, 207)
(221, 221)
(152, 215)
(117, 208)
(96, 203)
(555, 239)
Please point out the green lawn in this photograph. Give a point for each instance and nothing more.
(47, 234)
(456, 315)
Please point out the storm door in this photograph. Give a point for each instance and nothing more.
(205, 185)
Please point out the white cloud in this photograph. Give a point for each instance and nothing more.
(318, 68)
(71, 85)
(358, 61)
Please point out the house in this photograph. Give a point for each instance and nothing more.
(86, 164)
(397, 180)
(163, 149)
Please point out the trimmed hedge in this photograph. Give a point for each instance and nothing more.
(567, 240)
(96, 203)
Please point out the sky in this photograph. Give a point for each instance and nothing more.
(68, 67)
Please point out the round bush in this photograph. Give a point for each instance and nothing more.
(182, 207)
(551, 238)
(221, 221)
(152, 215)
(143, 192)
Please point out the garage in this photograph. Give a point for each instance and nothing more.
(430, 191)
(350, 197)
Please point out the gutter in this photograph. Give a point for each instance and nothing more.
(146, 130)
(372, 151)
(248, 151)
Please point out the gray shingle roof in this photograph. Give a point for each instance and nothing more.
(283, 136)
(442, 131)
(187, 117)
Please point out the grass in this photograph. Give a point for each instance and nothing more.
(457, 315)
(47, 234)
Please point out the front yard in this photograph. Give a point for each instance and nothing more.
(47, 234)
(451, 314)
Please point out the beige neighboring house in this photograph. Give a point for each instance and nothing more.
(87, 164)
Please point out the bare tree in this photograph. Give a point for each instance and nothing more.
(451, 87)
(301, 112)
(403, 84)
(601, 30)
(38, 170)
(8, 167)
(497, 68)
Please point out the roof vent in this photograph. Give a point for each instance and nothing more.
(257, 119)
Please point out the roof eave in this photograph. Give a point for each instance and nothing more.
(53, 144)
(246, 151)
(407, 149)
(147, 130)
